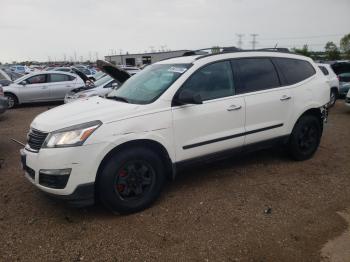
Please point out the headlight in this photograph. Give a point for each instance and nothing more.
(71, 136)
(82, 95)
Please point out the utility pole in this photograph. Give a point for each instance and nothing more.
(254, 42)
(239, 42)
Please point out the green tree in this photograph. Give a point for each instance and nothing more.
(345, 45)
(215, 49)
(302, 51)
(332, 51)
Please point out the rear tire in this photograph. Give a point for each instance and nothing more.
(12, 100)
(305, 138)
(131, 180)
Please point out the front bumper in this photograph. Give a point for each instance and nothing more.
(343, 90)
(69, 98)
(3, 104)
(82, 163)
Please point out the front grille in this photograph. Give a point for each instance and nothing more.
(36, 139)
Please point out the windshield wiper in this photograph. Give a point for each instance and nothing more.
(118, 98)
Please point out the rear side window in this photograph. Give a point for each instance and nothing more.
(294, 70)
(256, 74)
(212, 81)
(59, 78)
(324, 70)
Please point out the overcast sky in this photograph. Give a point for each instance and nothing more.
(43, 29)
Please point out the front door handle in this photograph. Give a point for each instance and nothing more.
(44, 87)
(285, 97)
(234, 107)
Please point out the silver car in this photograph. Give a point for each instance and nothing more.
(41, 87)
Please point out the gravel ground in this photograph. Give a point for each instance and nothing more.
(259, 207)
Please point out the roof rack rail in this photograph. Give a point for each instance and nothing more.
(233, 49)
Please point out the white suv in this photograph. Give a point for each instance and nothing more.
(122, 148)
(333, 82)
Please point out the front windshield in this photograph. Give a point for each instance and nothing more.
(98, 75)
(103, 80)
(147, 85)
(19, 80)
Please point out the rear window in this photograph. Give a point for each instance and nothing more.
(294, 70)
(324, 70)
(256, 74)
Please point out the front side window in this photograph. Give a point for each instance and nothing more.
(294, 70)
(38, 79)
(212, 81)
(58, 78)
(256, 74)
(147, 85)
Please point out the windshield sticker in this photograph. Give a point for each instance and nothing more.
(175, 69)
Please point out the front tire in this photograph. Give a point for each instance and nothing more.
(131, 180)
(11, 100)
(333, 98)
(305, 138)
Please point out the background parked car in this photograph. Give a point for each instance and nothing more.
(18, 69)
(3, 101)
(114, 77)
(347, 99)
(41, 86)
(344, 84)
(333, 82)
(5, 79)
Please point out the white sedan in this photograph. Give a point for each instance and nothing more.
(41, 87)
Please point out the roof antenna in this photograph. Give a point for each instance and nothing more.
(276, 45)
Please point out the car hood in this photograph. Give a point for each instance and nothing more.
(80, 74)
(82, 111)
(114, 71)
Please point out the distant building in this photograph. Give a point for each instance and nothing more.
(144, 58)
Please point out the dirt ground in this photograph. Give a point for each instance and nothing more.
(259, 207)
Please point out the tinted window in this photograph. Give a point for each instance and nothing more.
(256, 74)
(38, 79)
(294, 70)
(212, 81)
(324, 70)
(59, 78)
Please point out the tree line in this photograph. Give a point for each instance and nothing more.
(331, 50)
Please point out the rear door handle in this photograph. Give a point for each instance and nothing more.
(234, 107)
(44, 87)
(285, 97)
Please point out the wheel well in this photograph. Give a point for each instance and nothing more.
(156, 147)
(9, 93)
(314, 112)
(334, 89)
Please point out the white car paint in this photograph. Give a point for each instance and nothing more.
(331, 76)
(173, 127)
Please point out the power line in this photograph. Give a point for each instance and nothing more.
(302, 37)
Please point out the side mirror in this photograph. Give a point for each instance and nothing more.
(188, 97)
(115, 85)
(23, 83)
